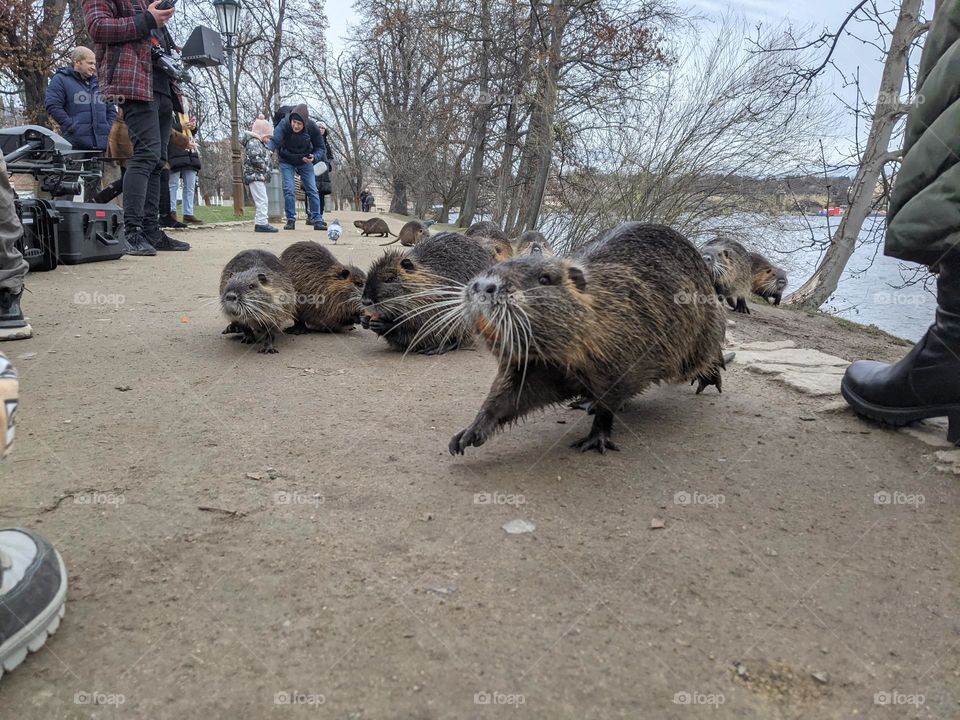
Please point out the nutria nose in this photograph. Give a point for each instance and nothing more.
(491, 288)
(230, 297)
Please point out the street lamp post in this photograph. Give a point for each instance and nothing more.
(228, 18)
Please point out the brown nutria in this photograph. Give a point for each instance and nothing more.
(328, 292)
(729, 265)
(257, 296)
(501, 249)
(768, 280)
(532, 243)
(407, 296)
(411, 233)
(486, 229)
(632, 307)
(372, 226)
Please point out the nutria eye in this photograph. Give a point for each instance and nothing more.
(545, 280)
(344, 274)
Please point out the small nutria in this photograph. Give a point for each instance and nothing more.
(532, 243)
(328, 292)
(501, 249)
(411, 233)
(257, 296)
(408, 297)
(729, 265)
(486, 229)
(603, 325)
(768, 280)
(372, 226)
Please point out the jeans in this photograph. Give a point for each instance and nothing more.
(309, 182)
(149, 126)
(13, 267)
(259, 192)
(189, 176)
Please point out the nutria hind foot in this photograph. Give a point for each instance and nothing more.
(441, 349)
(598, 440)
(266, 343)
(298, 328)
(707, 379)
(742, 306)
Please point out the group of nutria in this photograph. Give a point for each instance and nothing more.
(598, 325)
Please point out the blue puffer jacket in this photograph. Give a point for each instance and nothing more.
(79, 109)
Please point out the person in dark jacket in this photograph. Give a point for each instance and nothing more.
(184, 162)
(73, 99)
(923, 226)
(298, 144)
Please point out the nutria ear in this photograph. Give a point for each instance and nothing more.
(407, 264)
(343, 274)
(262, 278)
(577, 278)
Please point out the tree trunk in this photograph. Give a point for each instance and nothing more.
(478, 132)
(398, 203)
(823, 283)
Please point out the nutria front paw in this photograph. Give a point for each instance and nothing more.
(599, 441)
(297, 329)
(472, 435)
(742, 307)
(233, 328)
(381, 327)
(706, 380)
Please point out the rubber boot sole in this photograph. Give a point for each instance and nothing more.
(899, 417)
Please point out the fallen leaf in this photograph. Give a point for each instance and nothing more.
(184, 319)
(657, 524)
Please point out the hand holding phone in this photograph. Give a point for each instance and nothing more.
(162, 11)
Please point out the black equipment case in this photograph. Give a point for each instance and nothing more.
(38, 245)
(88, 232)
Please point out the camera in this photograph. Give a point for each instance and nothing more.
(171, 63)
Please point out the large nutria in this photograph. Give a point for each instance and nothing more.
(729, 265)
(408, 296)
(633, 307)
(257, 297)
(486, 229)
(328, 292)
(372, 226)
(768, 280)
(532, 243)
(411, 233)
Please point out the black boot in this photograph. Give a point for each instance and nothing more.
(926, 383)
(13, 326)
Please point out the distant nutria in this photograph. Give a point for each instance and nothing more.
(729, 264)
(328, 292)
(768, 280)
(487, 229)
(372, 226)
(532, 243)
(411, 233)
(501, 249)
(408, 297)
(257, 296)
(602, 325)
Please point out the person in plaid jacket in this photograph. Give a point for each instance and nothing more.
(124, 32)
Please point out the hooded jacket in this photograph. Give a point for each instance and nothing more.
(923, 222)
(79, 109)
(292, 147)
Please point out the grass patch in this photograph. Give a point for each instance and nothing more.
(871, 330)
(216, 213)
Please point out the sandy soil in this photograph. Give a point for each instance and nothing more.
(256, 536)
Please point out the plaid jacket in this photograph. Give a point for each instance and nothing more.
(121, 40)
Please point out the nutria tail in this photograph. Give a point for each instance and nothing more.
(257, 297)
(633, 307)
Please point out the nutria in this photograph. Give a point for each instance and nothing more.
(501, 249)
(411, 233)
(372, 226)
(633, 307)
(768, 280)
(328, 292)
(257, 296)
(486, 229)
(407, 295)
(532, 243)
(729, 264)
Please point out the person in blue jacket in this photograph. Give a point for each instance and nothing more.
(73, 99)
(298, 144)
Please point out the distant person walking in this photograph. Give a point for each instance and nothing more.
(257, 171)
(923, 226)
(366, 200)
(298, 144)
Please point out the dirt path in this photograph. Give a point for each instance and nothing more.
(244, 530)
